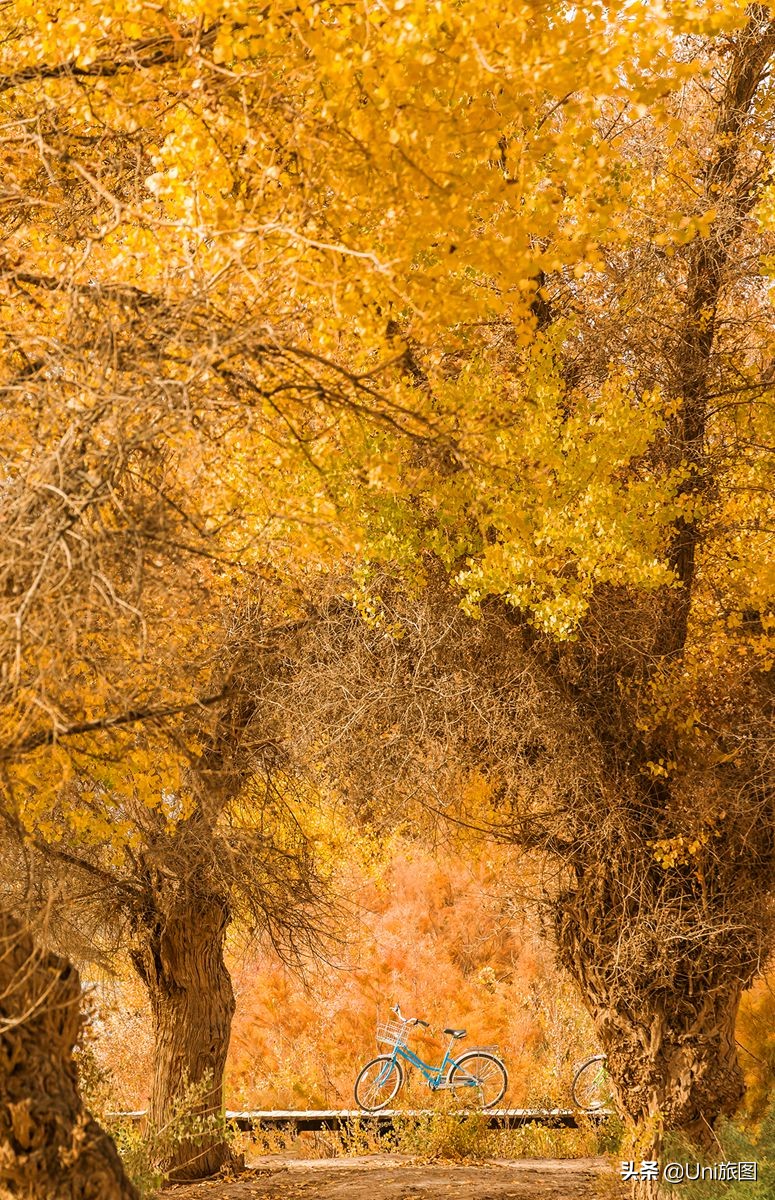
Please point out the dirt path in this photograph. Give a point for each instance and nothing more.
(401, 1178)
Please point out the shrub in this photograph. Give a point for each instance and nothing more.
(144, 1149)
(737, 1143)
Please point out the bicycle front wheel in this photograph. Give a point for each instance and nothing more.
(591, 1086)
(378, 1083)
(478, 1080)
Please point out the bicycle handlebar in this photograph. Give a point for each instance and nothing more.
(409, 1020)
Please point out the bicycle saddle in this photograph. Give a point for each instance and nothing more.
(456, 1033)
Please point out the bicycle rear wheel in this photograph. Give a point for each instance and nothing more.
(591, 1086)
(378, 1083)
(478, 1079)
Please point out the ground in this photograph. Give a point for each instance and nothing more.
(397, 1177)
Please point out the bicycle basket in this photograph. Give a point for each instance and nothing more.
(393, 1033)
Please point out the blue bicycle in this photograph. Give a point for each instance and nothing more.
(477, 1078)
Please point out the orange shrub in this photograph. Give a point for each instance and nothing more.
(435, 934)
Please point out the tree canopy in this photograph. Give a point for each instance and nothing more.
(323, 322)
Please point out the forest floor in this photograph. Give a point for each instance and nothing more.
(401, 1177)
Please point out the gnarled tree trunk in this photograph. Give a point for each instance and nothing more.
(677, 1068)
(179, 956)
(50, 1147)
(661, 976)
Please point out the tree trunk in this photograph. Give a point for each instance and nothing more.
(179, 957)
(680, 1071)
(664, 1010)
(50, 1147)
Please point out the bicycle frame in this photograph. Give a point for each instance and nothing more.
(433, 1075)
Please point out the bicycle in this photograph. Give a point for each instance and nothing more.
(379, 1082)
(591, 1088)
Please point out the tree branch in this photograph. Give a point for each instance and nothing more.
(709, 258)
(49, 737)
(152, 52)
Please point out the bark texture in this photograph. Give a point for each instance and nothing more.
(660, 962)
(50, 1147)
(179, 956)
(671, 1048)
